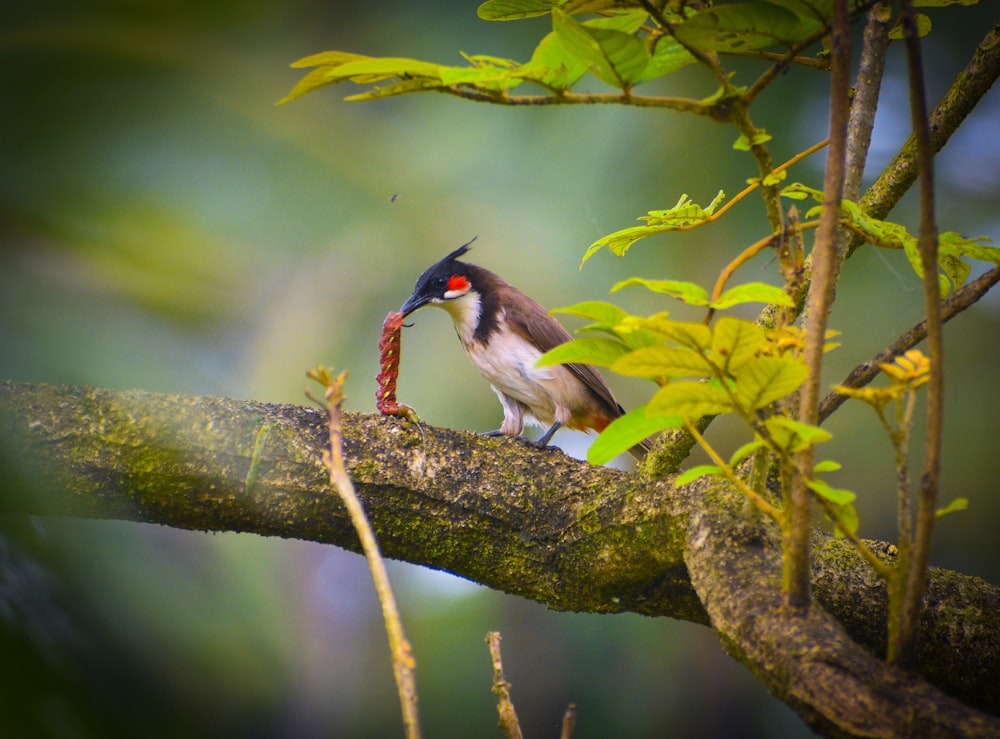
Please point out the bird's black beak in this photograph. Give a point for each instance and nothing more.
(412, 303)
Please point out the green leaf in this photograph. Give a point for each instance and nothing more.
(827, 465)
(794, 436)
(896, 33)
(552, 65)
(735, 342)
(979, 248)
(684, 333)
(386, 68)
(958, 504)
(942, 3)
(327, 59)
(668, 56)
(695, 472)
(509, 10)
(834, 495)
(760, 136)
(614, 57)
(629, 22)
(745, 27)
(745, 451)
(687, 292)
(662, 361)
(591, 350)
(752, 292)
(690, 399)
(763, 380)
(626, 431)
(686, 214)
(595, 310)
(847, 516)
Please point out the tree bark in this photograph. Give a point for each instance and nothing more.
(530, 522)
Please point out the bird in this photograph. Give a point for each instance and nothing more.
(504, 332)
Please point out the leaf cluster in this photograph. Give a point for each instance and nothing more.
(628, 44)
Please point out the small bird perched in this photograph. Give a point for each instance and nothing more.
(504, 333)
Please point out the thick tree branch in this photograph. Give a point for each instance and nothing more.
(529, 522)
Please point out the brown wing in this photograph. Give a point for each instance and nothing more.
(532, 321)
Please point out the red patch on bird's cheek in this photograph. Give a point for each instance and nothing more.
(457, 284)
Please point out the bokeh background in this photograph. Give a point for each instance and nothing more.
(164, 226)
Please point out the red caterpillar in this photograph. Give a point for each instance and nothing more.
(390, 346)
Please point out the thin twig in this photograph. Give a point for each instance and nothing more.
(501, 689)
(864, 373)
(403, 664)
(948, 115)
(568, 722)
(927, 243)
(797, 530)
(688, 105)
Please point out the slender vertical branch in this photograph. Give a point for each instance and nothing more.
(403, 664)
(871, 66)
(501, 689)
(797, 530)
(927, 243)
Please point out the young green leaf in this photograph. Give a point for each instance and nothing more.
(752, 292)
(662, 361)
(690, 399)
(745, 451)
(827, 465)
(596, 310)
(686, 214)
(552, 65)
(668, 56)
(847, 516)
(958, 504)
(688, 292)
(735, 342)
(614, 57)
(685, 333)
(760, 136)
(626, 431)
(794, 436)
(509, 10)
(745, 27)
(591, 350)
(834, 495)
(695, 472)
(764, 380)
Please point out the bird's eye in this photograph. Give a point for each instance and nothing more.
(440, 283)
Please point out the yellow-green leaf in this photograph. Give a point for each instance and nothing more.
(764, 380)
(735, 342)
(662, 361)
(695, 472)
(690, 399)
(745, 451)
(591, 350)
(958, 504)
(752, 292)
(834, 495)
(596, 310)
(508, 10)
(688, 292)
(794, 436)
(626, 431)
(685, 333)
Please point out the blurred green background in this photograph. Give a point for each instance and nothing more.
(164, 226)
